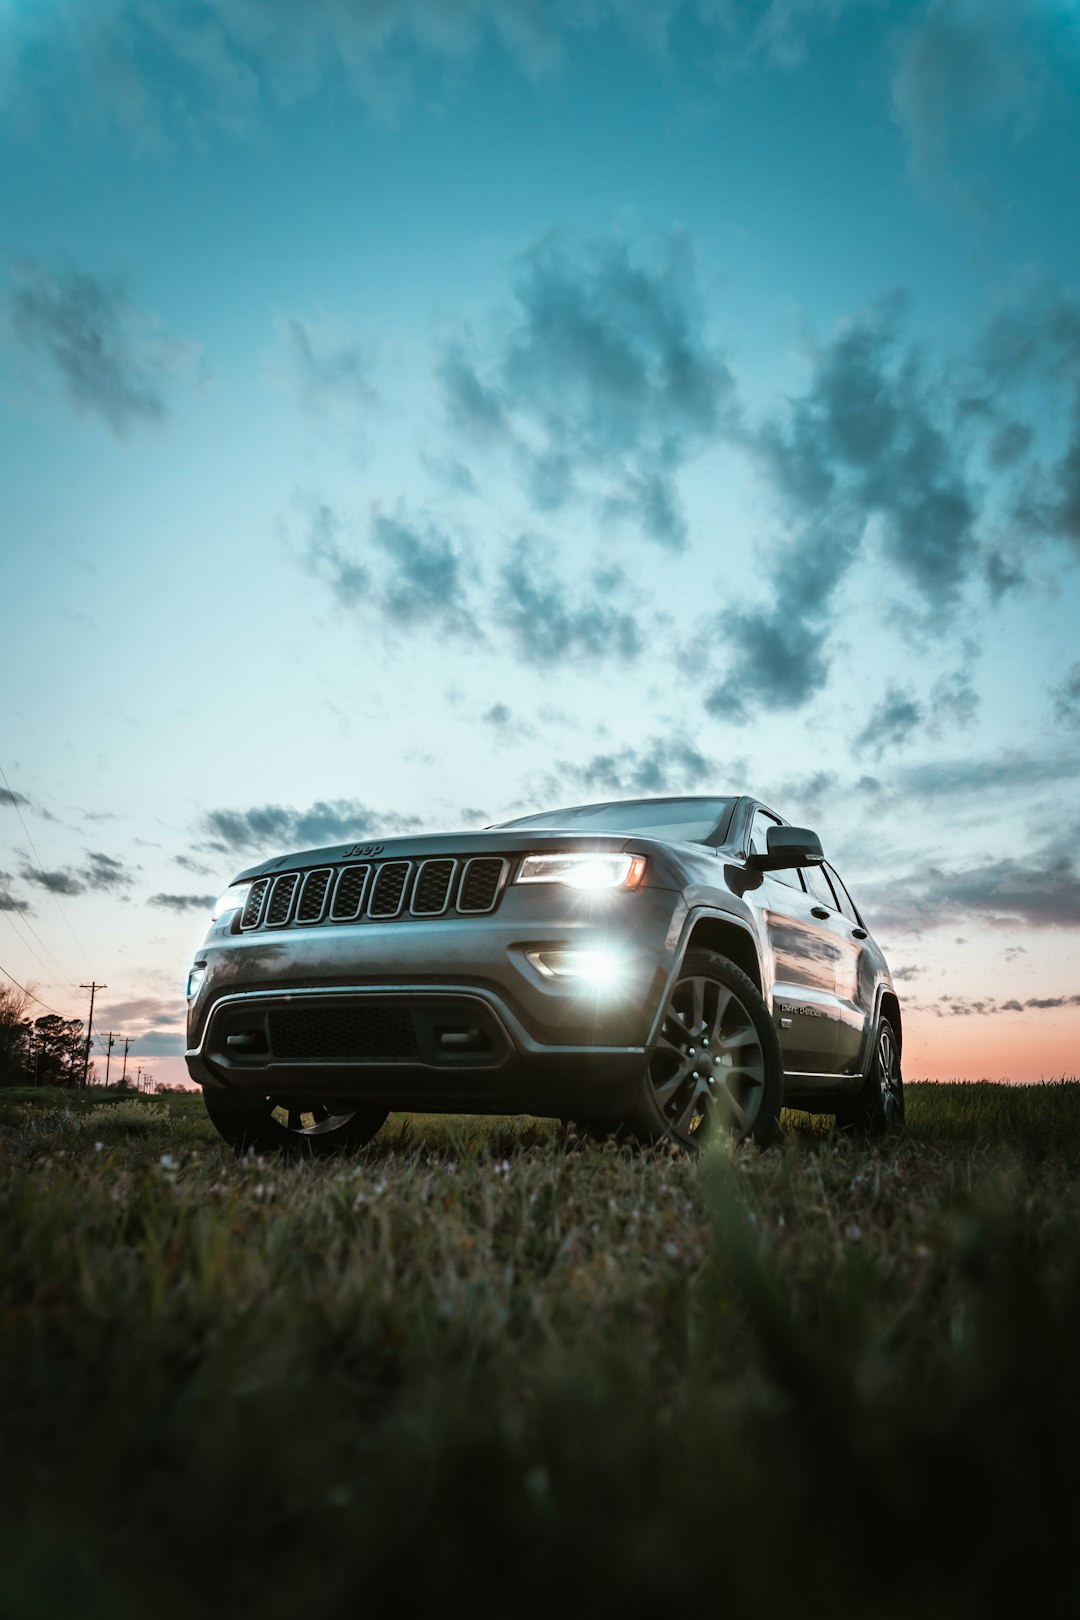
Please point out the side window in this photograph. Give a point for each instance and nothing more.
(759, 829)
(819, 887)
(846, 904)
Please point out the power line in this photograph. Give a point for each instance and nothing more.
(31, 994)
(11, 911)
(41, 869)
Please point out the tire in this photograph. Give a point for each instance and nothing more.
(283, 1124)
(878, 1106)
(716, 1070)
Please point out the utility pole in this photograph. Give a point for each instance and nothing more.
(92, 986)
(123, 1072)
(109, 1044)
(138, 1079)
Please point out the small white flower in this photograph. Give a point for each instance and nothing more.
(167, 1162)
(853, 1233)
(98, 1146)
(672, 1249)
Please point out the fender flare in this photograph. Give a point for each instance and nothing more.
(693, 918)
(880, 993)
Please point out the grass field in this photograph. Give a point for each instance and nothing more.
(485, 1368)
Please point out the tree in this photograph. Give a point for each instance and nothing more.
(58, 1051)
(14, 1035)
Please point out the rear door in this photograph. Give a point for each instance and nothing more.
(805, 955)
(858, 977)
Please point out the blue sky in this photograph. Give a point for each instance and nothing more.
(414, 413)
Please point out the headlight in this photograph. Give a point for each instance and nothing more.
(232, 900)
(195, 980)
(580, 871)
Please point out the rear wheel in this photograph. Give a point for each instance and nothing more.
(716, 1070)
(283, 1124)
(878, 1106)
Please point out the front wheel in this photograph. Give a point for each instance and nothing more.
(716, 1070)
(283, 1124)
(878, 1106)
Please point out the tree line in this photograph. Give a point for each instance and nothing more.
(46, 1051)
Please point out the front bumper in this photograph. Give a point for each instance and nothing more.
(439, 1015)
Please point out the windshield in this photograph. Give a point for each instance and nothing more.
(691, 821)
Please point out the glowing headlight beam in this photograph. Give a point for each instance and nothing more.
(599, 968)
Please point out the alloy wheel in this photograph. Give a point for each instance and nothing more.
(708, 1070)
(888, 1061)
(307, 1119)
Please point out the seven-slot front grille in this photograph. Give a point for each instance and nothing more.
(377, 891)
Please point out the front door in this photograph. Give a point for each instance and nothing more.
(805, 957)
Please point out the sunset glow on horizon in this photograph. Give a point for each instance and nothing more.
(417, 416)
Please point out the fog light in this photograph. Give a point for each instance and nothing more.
(599, 968)
(195, 981)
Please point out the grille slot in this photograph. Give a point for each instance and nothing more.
(281, 899)
(388, 890)
(249, 917)
(341, 1034)
(480, 883)
(313, 895)
(349, 894)
(432, 890)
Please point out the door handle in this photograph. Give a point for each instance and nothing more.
(820, 911)
(858, 933)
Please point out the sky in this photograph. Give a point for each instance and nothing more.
(414, 413)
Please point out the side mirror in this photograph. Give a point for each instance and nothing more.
(787, 847)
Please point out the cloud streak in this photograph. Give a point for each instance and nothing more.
(100, 873)
(1040, 891)
(406, 573)
(604, 384)
(182, 903)
(331, 368)
(164, 71)
(866, 461)
(547, 625)
(966, 68)
(112, 359)
(274, 828)
(658, 766)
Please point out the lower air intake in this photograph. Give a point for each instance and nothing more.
(342, 1035)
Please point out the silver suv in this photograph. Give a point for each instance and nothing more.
(670, 967)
